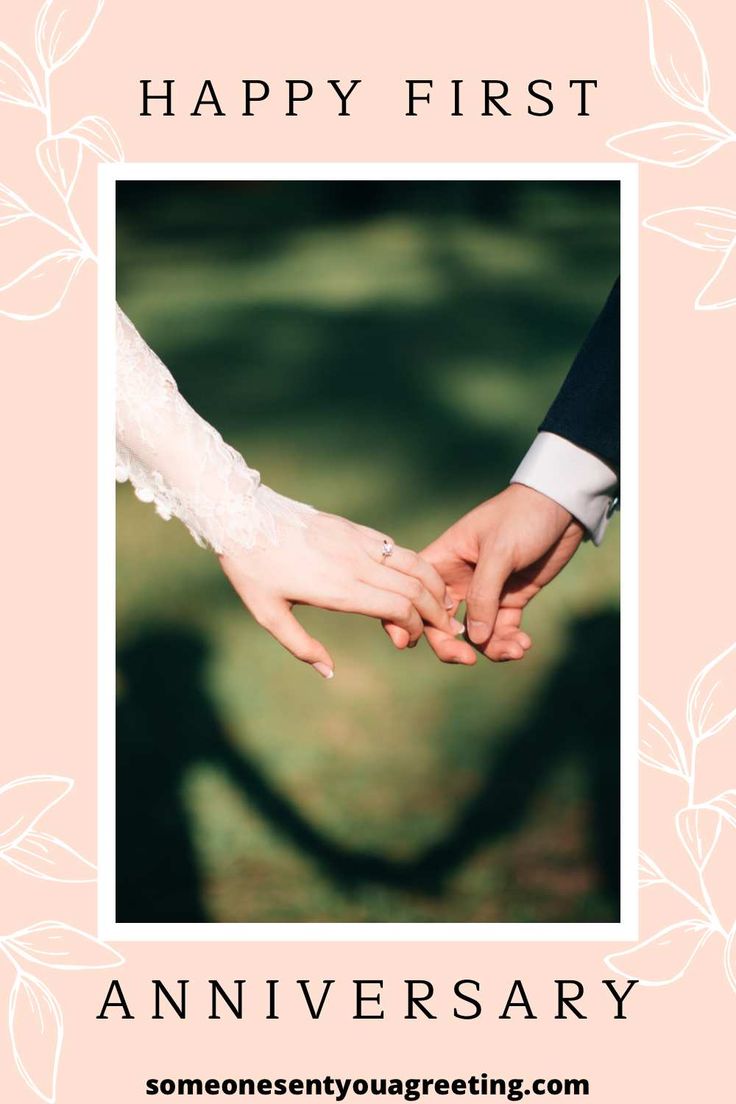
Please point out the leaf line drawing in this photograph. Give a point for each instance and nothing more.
(23, 803)
(706, 228)
(35, 1017)
(701, 827)
(680, 68)
(62, 27)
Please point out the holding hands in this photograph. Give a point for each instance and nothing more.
(495, 559)
(337, 565)
(278, 553)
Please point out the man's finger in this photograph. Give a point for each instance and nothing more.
(483, 597)
(508, 623)
(450, 649)
(508, 640)
(500, 649)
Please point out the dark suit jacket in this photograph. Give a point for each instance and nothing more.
(587, 410)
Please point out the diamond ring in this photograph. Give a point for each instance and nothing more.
(388, 549)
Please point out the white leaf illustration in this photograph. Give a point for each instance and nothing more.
(40, 290)
(720, 291)
(659, 744)
(649, 872)
(679, 65)
(712, 228)
(24, 801)
(676, 145)
(36, 1033)
(44, 856)
(699, 827)
(62, 27)
(725, 805)
(12, 207)
(60, 158)
(729, 958)
(711, 693)
(17, 83)
(99, 136)
(663, 957)
(62, 947)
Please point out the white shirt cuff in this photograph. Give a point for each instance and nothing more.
(574, 478)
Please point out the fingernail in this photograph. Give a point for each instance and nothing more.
(457, 626)
(412, 644)
(449, 603)
(324, 669)
(478, 631)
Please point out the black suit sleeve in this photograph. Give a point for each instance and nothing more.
(587, 410)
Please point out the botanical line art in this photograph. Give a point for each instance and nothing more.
(62, 28)
(680, 68)
(709, 228)
(35, 1018)
(22, 805)
(701, 827)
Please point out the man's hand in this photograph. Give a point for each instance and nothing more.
(496, 559)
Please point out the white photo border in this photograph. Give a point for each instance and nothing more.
(626, 929)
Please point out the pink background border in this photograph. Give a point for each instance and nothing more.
(670, 1046)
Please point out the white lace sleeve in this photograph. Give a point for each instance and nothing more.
(176, 460)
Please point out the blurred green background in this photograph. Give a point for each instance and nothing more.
(384, 351)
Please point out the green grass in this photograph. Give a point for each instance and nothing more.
(386, 356)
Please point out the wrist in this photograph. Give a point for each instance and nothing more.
(573, 477)
(521, 525)
(539, 504)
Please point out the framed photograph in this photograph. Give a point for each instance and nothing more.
(382, 343)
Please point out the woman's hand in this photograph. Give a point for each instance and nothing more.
(334, 564)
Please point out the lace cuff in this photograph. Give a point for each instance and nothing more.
(175, 459)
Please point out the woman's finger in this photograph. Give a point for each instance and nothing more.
(411, 563)
(276, 617)
(399, 637)
(431, 611)
(387, 605)
(375, 535)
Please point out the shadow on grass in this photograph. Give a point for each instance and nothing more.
(167, 723)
